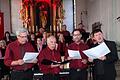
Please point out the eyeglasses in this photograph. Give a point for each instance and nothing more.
(76, 34)
(23, 36)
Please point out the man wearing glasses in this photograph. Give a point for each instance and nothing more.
(78, 67)
(14, 56)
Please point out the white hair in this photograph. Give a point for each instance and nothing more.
(21, 30)
(50, 37)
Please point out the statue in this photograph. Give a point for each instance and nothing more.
(43, 19)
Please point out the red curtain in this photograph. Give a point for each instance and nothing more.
(1, 26)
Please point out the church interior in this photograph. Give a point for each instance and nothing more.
(51, 15)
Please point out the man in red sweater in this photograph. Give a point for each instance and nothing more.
(14, 56)
(78, 67)
(50, 71)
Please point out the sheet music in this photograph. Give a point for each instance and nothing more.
(30, 56)
(75, 54)
(97, 51)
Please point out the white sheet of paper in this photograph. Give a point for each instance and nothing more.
(30, 56)
(97, 51)
(75, 54)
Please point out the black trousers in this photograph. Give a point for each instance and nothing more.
(76, 74)
(22, 75)
(104, 77)
(51, 77)
(0, 75)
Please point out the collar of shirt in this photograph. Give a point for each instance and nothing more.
(50, 49)
(79, 43)
(18, 43)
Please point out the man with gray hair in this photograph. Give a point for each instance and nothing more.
(50, 71)
(14, 56)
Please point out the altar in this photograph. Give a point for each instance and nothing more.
(48, 14)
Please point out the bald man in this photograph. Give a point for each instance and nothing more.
(50, 72)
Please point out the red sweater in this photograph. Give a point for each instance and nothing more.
(52, 55)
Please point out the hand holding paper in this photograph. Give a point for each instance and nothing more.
(102, 58)
(30, 57)
(74, 54)
(98, 51)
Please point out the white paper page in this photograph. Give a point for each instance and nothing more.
(97, 51)
(75, 54)
(30, 56)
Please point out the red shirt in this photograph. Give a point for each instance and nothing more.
(13, 53)
(61, 48)
(52, 55)
(76, 63)
(65, 33)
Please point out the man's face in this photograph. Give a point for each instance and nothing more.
(98, 37)
(32, 36)
(52, 43)
(76, 36)
(63, 28)
(22, 38)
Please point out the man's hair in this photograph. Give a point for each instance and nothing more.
(76, 30)
(96, 31)
(48, 38)
(21, 30)
(64, 25)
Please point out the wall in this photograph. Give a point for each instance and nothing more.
(105, 11)
(68, 6)
(93, 9)
(15, 7)
(81, 6)
(5, 8)
(15, 21)
(99, 11)
(117, 12)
